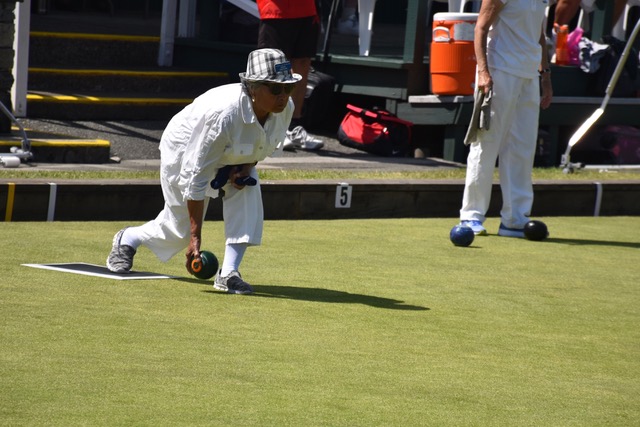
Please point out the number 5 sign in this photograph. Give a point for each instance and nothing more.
(343, 195)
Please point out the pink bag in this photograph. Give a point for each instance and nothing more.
(573, 41)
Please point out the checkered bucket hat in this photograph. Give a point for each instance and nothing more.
(269, 65)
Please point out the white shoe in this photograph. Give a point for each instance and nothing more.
(289, 145)
(349, 26)
(232, 284)
(299, 138)
(476, 226)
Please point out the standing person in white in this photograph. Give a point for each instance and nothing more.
(234, 125)
(512, 63)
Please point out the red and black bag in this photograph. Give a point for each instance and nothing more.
(375, 131)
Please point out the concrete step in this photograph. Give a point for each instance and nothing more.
(87, 20)
(77, 76)
(68, 50)
(47, 147)
(161, 81)
(100, 106)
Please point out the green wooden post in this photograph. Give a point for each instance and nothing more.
(414, 32)
(413, 54)
(602, 23)
(454, 148)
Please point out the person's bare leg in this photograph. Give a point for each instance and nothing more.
(565, 11)
(300, 66)
(618, 9)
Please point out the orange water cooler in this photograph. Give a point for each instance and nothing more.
(453, 59)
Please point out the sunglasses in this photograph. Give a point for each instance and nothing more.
(277, 88)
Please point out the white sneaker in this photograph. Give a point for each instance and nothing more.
(476, 226)
(232, 284)
(299, 138)
(349, 26)
(120, 260)
(289, 145)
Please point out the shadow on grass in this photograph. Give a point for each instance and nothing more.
(317, 295)
(331, 296)
(634, 245)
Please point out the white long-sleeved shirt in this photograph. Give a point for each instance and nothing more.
(218, 128)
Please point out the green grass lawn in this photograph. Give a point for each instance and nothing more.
(555, 174)
(354, 323)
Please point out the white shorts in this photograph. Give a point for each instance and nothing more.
(170, 232)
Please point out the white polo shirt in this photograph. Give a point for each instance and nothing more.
(513, 40)
(218, 128)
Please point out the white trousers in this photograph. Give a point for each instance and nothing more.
(512, 137)
(170, 232)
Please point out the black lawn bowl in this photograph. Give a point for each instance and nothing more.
(536, 230)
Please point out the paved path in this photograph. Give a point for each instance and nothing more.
(134, 145)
